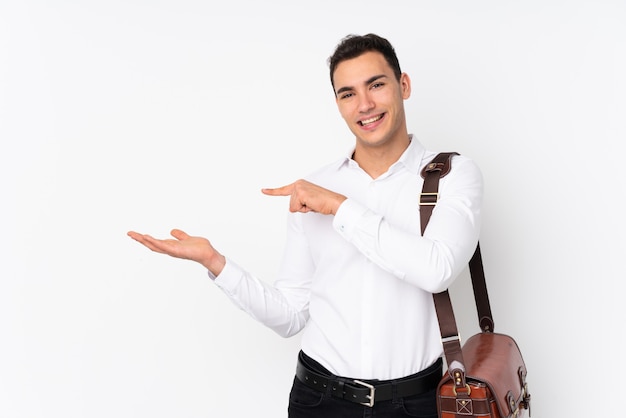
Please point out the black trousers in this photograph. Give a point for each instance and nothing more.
(305, 402)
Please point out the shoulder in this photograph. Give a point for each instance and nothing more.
(461, 165)
(466, 166)
(465, 177)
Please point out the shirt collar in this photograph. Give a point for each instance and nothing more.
(411, 158)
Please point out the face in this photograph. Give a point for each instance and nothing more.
(371, 100)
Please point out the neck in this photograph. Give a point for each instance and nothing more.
(376, 160)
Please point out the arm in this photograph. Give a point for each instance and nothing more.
(433, 261)
(283, 307)
(430, 262)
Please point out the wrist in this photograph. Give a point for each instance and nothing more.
(215, 264)
(339, 200)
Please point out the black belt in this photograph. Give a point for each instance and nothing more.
(366, 393)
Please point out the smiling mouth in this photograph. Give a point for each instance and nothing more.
(369, 121)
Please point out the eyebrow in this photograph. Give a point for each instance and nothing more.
(368, 81)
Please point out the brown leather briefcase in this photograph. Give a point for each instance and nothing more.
(495, 380)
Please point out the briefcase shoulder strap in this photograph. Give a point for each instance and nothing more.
(432, 173)
(437, 168)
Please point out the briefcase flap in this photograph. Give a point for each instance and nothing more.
(495, 359)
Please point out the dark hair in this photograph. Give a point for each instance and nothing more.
(353, 46)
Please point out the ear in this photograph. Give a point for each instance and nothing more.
(405, 85)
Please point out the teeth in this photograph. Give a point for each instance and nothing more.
(371, 120)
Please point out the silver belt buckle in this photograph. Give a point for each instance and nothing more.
(370, 396)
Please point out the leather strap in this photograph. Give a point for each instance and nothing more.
(436, 169)
(485, 319)
(432, 173)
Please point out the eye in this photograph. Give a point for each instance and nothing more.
(377, 85)
(346, 95)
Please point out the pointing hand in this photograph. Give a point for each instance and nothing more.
(308, 197)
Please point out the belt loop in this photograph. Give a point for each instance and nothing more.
(396, 399)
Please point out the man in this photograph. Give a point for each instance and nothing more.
(357, 276)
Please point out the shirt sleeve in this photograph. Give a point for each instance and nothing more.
(434, 260)
(283, 307)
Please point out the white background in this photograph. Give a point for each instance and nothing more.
(149, 115)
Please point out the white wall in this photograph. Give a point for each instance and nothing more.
(150, 115)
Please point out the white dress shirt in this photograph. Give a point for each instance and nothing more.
(360, 283)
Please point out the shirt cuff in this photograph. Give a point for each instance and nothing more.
(229, 277)
(347, 218)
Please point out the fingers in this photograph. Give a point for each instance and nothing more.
(295, 202)
(163, 246)
(146, 240)
(304, 196)
(134, 235)
(141, 238)
(178, 234)
(279, 191)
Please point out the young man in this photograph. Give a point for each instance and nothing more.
(357, 276)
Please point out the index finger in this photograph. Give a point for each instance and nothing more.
(279, 191)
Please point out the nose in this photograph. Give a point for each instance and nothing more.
(365, 103)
